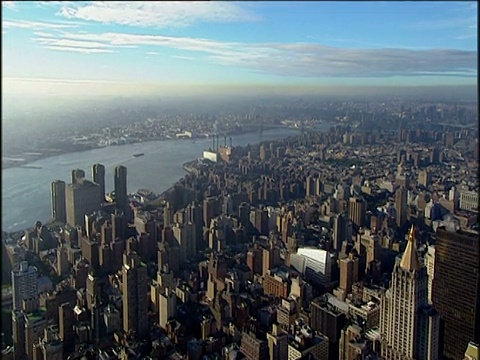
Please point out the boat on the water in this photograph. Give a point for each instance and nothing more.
(138, 155)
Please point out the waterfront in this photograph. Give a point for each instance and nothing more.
(26, 191)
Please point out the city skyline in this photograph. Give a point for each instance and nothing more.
(145, 47)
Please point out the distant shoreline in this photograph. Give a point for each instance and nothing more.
(49, 153)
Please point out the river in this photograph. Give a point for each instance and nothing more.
(26, 191)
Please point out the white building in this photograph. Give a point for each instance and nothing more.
(314, 264)
(24, 284)
(469, 200)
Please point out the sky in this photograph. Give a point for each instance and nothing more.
(133, 47)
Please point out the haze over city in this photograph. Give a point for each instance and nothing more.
(240, 180)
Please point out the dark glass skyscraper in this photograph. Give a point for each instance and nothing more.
(456, 290)
(121, 187)
(98, 176)
(59, 209)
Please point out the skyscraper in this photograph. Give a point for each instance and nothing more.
(401, 205)
(59, 209)
(348, 272)
(167, 307)
(339, 231)
(82, 197)
(121, 198)
(456, 289)
(98, 176)
(134, 289)
(24, 284)
(357, 209)
(408, 326)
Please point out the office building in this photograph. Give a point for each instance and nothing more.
(401, 206)
(253, 348)
(339, 231)
(59, 207)
(429, 260)
(35, 324)
(211, 209)
(305, 344)
(277, 341)
(98, 176)
(65, 325)
(134, 289)
(348, 272)
(77, 175)
(82, 197)
(120, 180)
(357, 209)
(408, 326)
(314, 264)
(18, 334)
(167, 307)
(456, 289)
(24, 284)
(469, 200)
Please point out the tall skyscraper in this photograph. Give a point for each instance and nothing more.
(59, 207)
(65, 324)
(401, 205)
(357, 209)
(408, 326)
(77, 175)
(429, 260)
(339, 231)
(24, 284)
(456, 289)
(167, 307)
(98, 176)
(82, 197)
(121, 197)
(134, 289)
(348, 272)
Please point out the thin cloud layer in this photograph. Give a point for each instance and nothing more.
(291, 59)
(157, 14)
(35, 25)
(9, 5)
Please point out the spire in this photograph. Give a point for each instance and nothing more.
(410, 260)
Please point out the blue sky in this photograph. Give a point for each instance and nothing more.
(100, 46)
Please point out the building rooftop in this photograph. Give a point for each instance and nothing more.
(410, 260)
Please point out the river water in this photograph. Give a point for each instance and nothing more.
(26, 192)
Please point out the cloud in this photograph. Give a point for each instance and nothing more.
(69, 81)
(9, 5)
(78, 49)
(463, 22)
(298, 59)
(35, 25)
(152, 53)
(183, 57)
(157, 14)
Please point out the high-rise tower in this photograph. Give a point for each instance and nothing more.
(24, 284)
(401, 205)
(121, 187)
(456, 289)
(98, 176)
(134, 289)
(357, 209)
(82, 197)
(408, 325)
(59, 207)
